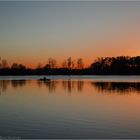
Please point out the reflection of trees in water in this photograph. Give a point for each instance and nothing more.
(18, 83)
(51, 85)
(14, 83)
(119, 87)
(67, 85)
(3, 85)
(76, 85)
(40, 83)
(80, 85)
(71, 85)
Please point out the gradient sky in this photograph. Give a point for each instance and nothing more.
(31, 32)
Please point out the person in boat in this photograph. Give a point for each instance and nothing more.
(45, 79)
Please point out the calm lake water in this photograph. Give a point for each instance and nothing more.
(70, 107)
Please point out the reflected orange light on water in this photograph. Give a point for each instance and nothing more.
(107, 101)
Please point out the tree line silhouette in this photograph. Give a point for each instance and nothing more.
(122, 65)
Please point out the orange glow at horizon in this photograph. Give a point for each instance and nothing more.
(87, 30)
(87, 62)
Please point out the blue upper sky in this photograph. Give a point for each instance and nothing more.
(32, 31)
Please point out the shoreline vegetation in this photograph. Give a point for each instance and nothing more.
(121, 65)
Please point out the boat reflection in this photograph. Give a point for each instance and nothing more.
(70, 86)
(51, 85)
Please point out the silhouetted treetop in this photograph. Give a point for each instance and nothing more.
(121, 65)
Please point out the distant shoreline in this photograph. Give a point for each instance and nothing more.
(94, 77)
(72, 75)
(121, 65)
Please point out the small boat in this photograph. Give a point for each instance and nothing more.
(45, 79)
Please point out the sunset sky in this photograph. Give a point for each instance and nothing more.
(31, 32)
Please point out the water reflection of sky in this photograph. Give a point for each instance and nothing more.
(69, 109)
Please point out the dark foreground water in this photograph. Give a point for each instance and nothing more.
(70, 107)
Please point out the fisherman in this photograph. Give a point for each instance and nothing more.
(44, 78)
